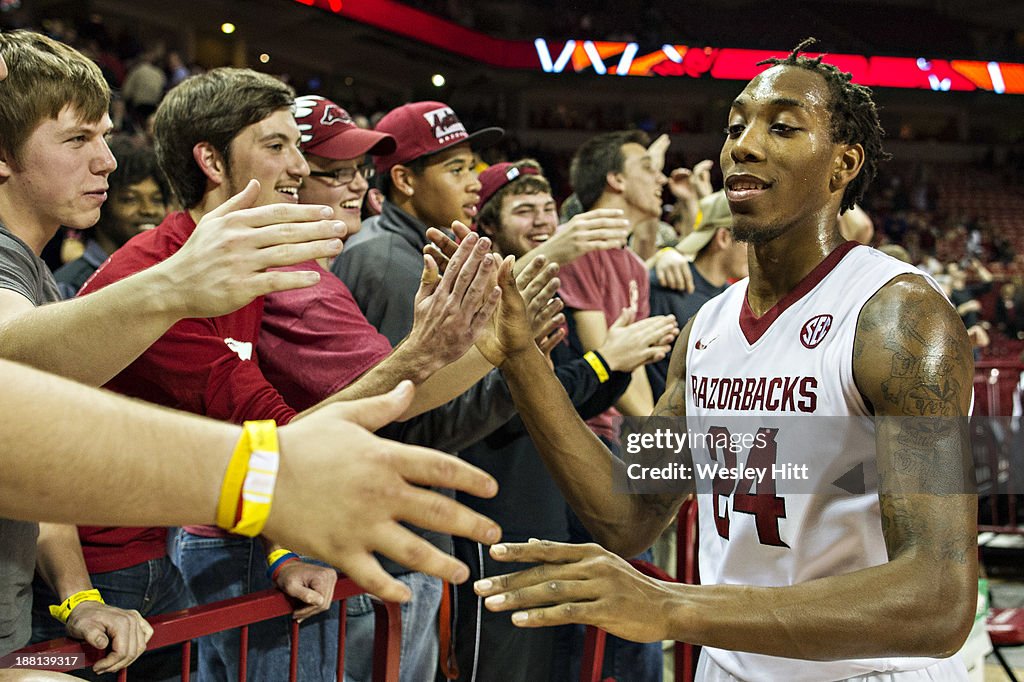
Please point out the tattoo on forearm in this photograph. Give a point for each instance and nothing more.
(673, 404)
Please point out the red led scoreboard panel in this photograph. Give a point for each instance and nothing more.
(629, 59)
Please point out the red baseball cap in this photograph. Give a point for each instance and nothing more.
(423, 128)
(497, 176)
(328, 131)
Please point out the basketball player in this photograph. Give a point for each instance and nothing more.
(824, 585)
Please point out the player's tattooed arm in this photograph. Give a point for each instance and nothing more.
(913, 364)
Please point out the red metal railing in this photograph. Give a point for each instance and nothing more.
(181, 627)
(994, 384)
(995, 444)
(688, 574)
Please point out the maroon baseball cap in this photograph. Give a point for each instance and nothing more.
(423, 128)
(497, 176)
(328, 131)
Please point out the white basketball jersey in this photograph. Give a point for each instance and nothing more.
(785, 382)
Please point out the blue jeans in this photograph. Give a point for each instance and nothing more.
(151, 588)
(419, 632)
(223, 568)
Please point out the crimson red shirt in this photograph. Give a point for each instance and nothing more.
(607, 281)
(316, 341)
(207, 366)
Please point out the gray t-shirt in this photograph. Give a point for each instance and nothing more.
(23, 272)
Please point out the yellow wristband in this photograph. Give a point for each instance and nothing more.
(599, 369)
(231, 488)
(63, 611)
(666, 248)
(260, 477)
(277, 554)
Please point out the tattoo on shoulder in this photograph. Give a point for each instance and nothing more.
(923, 377)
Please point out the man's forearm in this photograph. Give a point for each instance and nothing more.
(59, 560)
(112, 444)
(437, 384)
(449, 382)
(581, 465)
(637, 401)
(91, 339)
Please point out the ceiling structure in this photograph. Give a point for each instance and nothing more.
(358, 63)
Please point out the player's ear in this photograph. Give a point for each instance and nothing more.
(846, 166)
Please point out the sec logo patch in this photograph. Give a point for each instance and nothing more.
(815, 330)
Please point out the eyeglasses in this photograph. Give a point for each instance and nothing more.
(343, 176)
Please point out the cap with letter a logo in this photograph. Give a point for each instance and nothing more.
(423, 128)
(814, 330)
(328, 131)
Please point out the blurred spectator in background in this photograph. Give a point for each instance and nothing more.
(1010, 310)
(176, 68)
(964, 297)
(143, 88)
(896, 251)
(964, 294)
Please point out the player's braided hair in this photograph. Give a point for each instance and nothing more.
(854, 117)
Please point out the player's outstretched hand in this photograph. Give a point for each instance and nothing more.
(223, 265)
(342, 494)
(538, 284)
(513, 331)
(584, 584)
